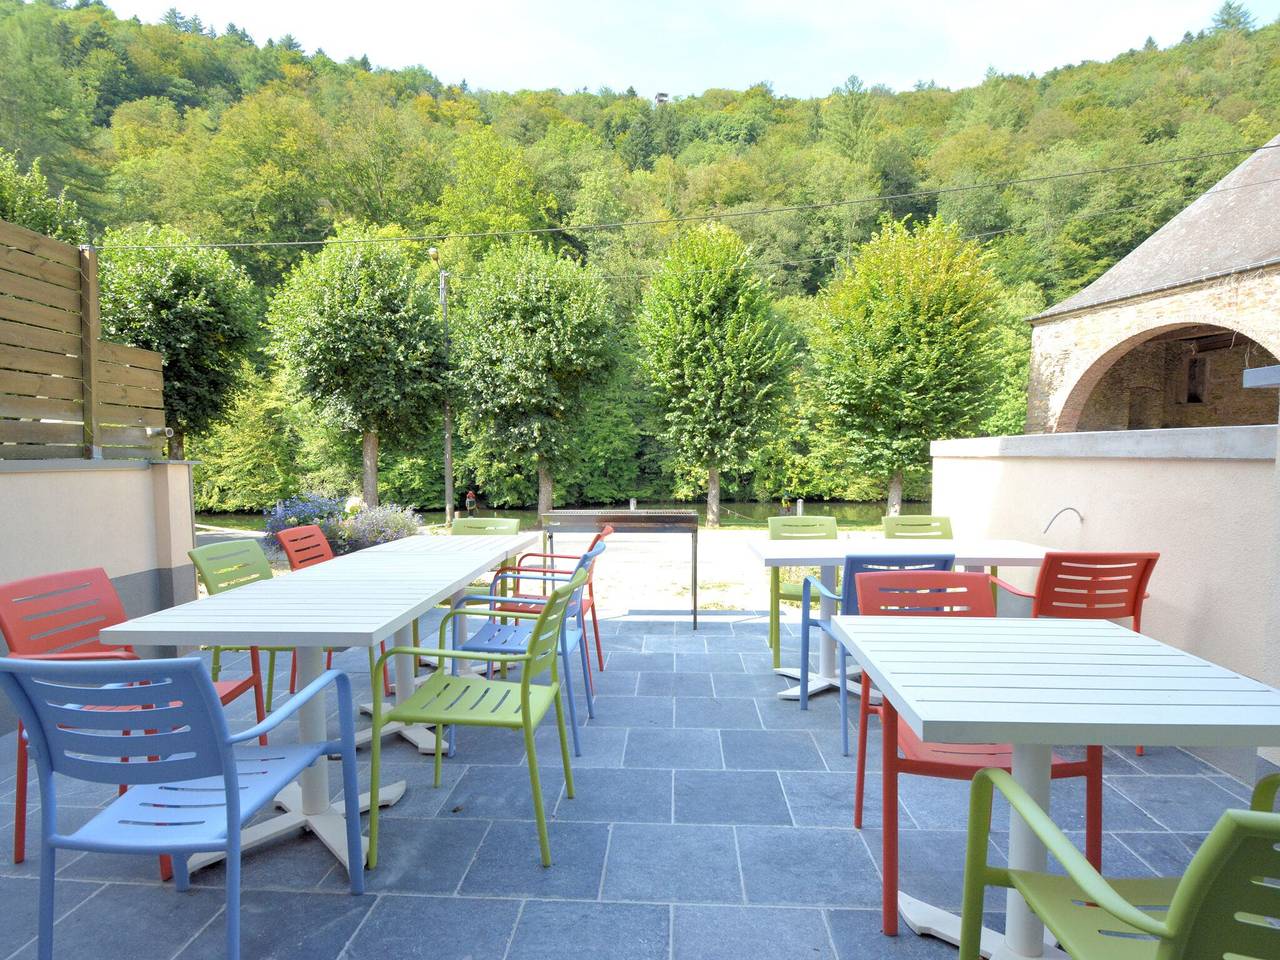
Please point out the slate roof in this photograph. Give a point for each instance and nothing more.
(1233, 227)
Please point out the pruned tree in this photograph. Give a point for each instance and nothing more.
(357, 329)
(717, 354)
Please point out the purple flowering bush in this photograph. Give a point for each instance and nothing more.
(349, 525)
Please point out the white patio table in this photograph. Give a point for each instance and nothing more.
(357, 600)
(829, 556)
(1034, 684)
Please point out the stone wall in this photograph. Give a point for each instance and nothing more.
(1072, 354)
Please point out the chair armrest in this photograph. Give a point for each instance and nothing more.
(491, 598)
(121, 654)
(296, 702)
(450, 655)
(811, 583)
(1010, 588)
(531, 570)
(1092, 884)
(1264, 793)
(546, 556)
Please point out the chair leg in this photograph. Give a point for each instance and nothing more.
(843, 674)
(975, 861)
(535, 784)
(45, 927)
(1093, 807)
(181, 875)
(567, 688)
(233, 901)
(437, 761)
(20, 803)
(293, 672)
(351, 806)
(889, 832)
(864, 721)
(775, 616)
(271, 680)
(386, 673)
(215, 664)
(260, 707)
(588, 683)
(595, 627)
(564, 748)
(804, 659)
(375, 781)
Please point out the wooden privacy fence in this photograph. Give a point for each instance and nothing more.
(64, 392)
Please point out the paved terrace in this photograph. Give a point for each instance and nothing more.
(712, 821)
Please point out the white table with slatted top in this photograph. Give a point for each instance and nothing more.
(358, 600)
(828, 556)
(1036, 684)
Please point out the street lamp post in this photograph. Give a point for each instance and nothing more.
(448, 406)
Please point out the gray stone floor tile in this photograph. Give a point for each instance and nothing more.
(709, 663)
(735, 713)
(684, 748)
(285, 926)
(761, 933)
(633, 712)
(807, 867)
(747, 684)
(674, 685)
(508, 863)
(606, 796)
(421, 856)
(770, 750)
(857, 936)
(730, 797)
(1183, 804)
(452, 928)
(503, 793)
(672, 862)
(590, 931)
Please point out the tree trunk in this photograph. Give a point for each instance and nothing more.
(177, 445)
(370, 477)
(895, 494)
(448, 463)
(713, 496)
(546, 488)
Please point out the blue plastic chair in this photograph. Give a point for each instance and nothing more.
(157, 725)
(497, 637)
(847, 603)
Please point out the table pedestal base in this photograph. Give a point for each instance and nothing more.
(930, 921)
(817, 683)
(329, 825)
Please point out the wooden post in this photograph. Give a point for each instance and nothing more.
(90, 327)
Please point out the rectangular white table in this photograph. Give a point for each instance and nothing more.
(358, 600)
(1036, 684)
(828, 555)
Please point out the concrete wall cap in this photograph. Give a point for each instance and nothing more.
(1194, 443)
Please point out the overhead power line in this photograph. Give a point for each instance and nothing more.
(690, 218)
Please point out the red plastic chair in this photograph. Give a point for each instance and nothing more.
(305, 547)
(57, 617)
(944, 594)
(1091, 586)
(588, 594)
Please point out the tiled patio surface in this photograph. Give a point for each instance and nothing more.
(712, 821)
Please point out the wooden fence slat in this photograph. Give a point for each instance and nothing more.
(39, 451)
(37, 361)
(127, 437)
(35, 385)
(129, 376)
(12, 235)
(132, 453)
(130, 396)
(90, 369)
(37, 268)
(34, 431)
(39, 291)
(24, 311)
(40, 408)
(130, 356)
(117, 415)
(38, 338)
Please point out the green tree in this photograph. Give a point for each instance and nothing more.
(903, 343)
(1233, 16)
(25, 200)
(534, 340)
(717, 354)
(356, 327)
(190, 303)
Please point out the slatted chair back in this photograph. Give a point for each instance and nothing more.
(1093, 586)
(59, 612)
(858, 563)
(305, 546)
(587, 563)
(598, 541)
(1228, 901)
(918, 527)
(484, 526)
(803, 528)
(544, 638)
(124, 722)
(925, 593)
(225, 566)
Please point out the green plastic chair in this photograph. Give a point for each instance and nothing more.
(917, 528)
(447, 699)
(791, 528)
(1222, 906)
(484, 526)
(225, 566)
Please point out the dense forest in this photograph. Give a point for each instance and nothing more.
(217, 136)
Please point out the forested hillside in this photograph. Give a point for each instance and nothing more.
(236, 139)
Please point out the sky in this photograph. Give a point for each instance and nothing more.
(682, 47)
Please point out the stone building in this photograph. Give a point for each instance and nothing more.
(1161, 339)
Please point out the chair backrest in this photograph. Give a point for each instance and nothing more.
(918, 527)
(484, 526)
(101, 720)
(233, 563)
(857, 563)
(59, 612)
(305, 546)
(1228, 901)
(587, 562)
(544, 638)
(929, 593)
(605, 533)
(803, 528)
(1092, 586)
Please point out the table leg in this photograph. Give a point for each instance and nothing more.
(420, 736)
(889, 818)
(825, 679)
(1024, 933)
(306, 804)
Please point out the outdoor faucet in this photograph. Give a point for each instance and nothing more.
(1060, 513)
